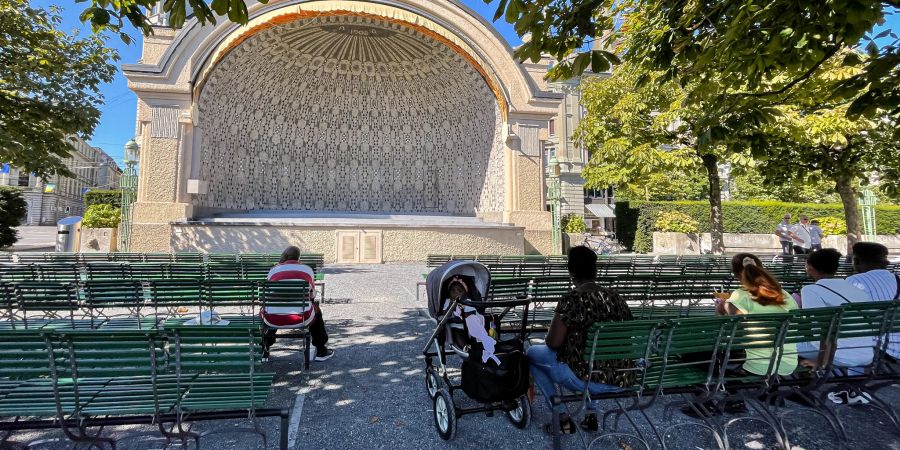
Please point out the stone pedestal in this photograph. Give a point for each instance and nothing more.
(99, 240)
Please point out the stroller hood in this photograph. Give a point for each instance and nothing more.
(478, 272)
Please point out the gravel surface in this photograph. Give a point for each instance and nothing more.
(371, 395)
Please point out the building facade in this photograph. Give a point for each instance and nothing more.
(367, 131)
(58, 197)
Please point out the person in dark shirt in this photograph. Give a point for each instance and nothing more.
(560, 363)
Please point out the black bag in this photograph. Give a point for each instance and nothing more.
(488, 382)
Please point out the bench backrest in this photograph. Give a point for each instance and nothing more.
(23, 355)
(286, 293)
(205, 349)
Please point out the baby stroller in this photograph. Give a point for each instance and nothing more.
(494, 371)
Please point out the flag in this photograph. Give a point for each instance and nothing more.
(5, 168)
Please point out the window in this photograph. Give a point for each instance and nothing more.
(552, 126)
(24, 179)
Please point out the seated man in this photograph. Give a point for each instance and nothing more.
(829, 291)
(290, 268)
(560, 363)
(870, 261)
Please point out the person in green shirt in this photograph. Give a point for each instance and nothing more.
(760, 293)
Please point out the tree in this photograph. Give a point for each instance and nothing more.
(12, 210)
(635, 134)
(814, 140)
(749, 184)
(757, 49)
(656, 187)
(740, 44)
(49, 87)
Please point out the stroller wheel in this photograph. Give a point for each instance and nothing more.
(521, 415)
(432, 382)
(444, 415)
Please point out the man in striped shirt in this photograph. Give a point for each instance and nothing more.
(870, 260)
(288, 317)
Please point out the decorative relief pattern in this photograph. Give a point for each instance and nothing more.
(165, 122)
(347, 113)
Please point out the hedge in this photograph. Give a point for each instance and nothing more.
(634, 220)
(103, 197)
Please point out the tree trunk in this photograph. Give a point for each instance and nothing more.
(851, 211)
(717, 229)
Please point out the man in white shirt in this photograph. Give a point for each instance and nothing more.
(829, 291)
(800, 236)
(783, 231)
(870, 261)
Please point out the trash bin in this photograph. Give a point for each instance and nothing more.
(68, 235)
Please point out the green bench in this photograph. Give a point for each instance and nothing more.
(662, 360)
(77, 380)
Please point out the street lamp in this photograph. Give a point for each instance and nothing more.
(128, 185)
(554, 197)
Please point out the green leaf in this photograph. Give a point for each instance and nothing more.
(501, 8)
(580, 63)
(599, 63)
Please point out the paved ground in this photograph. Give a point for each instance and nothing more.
(371, 394)
(34, 238)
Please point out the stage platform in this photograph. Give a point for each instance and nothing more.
(348, 237)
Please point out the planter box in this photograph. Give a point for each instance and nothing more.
(676, 243)
(692, 244)
(99, 240)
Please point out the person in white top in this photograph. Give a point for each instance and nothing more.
(870, 261)
(829, 291)
(783, 231)
(800, 236)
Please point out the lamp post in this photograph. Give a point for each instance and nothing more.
(554, 197)
(129, 189)
(868, 202)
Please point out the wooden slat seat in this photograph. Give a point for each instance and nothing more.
(108, 271)
(92, 258)
(60, 272)
(176, 296)
(41, 303)
(224, 270)
(185, 271)
(238, 293)
(18, 272)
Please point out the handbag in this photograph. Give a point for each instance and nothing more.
(488, 382)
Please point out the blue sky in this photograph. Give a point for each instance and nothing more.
(117, 122)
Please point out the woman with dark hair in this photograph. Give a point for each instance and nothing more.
(760, 293)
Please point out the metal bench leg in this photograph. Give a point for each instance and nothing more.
(306, 354)
(555, 425)
(285, 424)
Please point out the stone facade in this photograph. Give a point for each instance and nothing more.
(410, 107)
(57, 197)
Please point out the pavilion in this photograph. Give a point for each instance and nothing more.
(367, 131)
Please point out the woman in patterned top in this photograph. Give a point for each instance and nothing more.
(560, 363)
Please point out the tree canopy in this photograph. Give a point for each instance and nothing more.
(749, 48)
(637, 133)
(49, 86)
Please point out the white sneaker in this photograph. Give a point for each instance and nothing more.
(323, 357)
(849, 398)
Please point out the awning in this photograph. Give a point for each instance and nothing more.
(599, 210)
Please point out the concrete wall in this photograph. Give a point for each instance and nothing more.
(398, 243)
(684, 244)
(99, 240)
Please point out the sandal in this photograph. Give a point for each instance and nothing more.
(566, 426)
